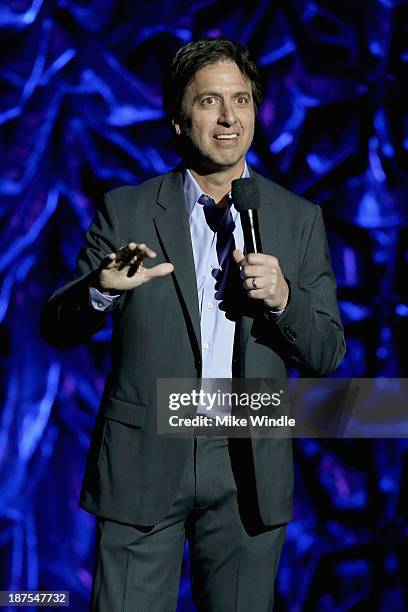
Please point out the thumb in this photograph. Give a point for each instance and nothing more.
(238, 256)
(160, 270)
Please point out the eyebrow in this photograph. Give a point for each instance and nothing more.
(216, 94)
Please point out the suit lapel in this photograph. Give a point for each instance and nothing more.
(171, 221)
(268, 213)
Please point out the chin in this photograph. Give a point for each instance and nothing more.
(227, 162)
(206, 161)
(220, 165)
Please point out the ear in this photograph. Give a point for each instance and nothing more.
(176, 127)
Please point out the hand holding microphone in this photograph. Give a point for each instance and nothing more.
(261, 274)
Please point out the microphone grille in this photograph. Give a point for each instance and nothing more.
(245, 194)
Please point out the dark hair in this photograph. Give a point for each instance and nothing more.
(194, 56)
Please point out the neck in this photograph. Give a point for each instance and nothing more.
(217, 184)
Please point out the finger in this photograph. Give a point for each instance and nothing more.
(143, 251)
(124, 252)
(254, 272)
(254, 259)
(128, 251)
(149, 273)
(239, 257)
(123, 256)
(108, 262)
(160, 270)
(257, 294)
(137, 260)
(253, 283)
(133, 254)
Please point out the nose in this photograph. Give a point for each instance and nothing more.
(227, 114)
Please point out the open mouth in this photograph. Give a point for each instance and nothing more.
(226, 136)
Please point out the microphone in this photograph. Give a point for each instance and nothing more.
(246, 198)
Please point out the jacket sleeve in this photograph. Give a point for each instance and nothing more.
(311, 323)
(68, 318)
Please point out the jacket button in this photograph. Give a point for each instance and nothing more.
(290, 333)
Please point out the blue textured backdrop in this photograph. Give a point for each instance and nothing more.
(80, 113)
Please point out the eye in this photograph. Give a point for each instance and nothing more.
(243, 100)
(208, 101)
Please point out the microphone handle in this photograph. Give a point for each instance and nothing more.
(250, 228)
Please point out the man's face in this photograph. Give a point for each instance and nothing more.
(219, 116)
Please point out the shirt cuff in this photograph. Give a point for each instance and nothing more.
(100, 301)
(273, 315)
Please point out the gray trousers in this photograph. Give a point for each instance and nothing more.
(234, 557)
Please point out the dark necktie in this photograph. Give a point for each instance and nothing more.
(220, 221)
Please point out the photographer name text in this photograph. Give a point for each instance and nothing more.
(231, 421)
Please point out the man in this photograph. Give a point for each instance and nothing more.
(203, 310)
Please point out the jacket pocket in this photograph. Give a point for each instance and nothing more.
(127, 413)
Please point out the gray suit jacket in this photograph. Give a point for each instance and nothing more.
(132, 474)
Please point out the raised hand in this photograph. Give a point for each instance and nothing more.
(125, 269)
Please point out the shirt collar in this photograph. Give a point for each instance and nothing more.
(193, 191)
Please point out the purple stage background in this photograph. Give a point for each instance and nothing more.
(80, 113)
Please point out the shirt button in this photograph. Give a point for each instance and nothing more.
(210, 305)
(99, 304)
(205, 345)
